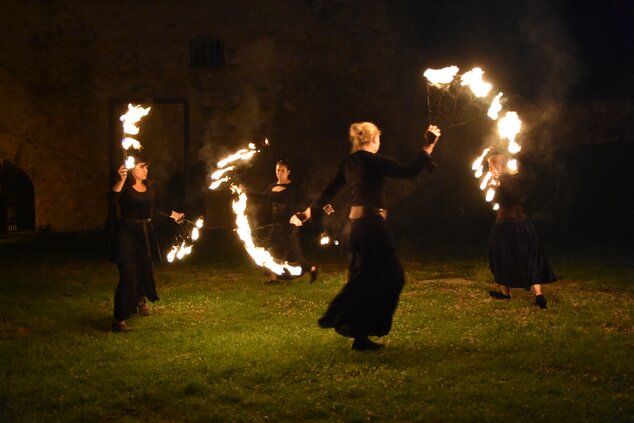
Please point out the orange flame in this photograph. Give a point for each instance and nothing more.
(441, 76)
(132, 117)
(260, 256)
(496, 107)
(509, 126)
(183, 249)
(473, 79)
(130, 126)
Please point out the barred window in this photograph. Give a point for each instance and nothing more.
(207, 52)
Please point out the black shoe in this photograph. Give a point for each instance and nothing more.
(497, 295)
(144, 310)
(365, 344)
(120, 327)
(313, 274)
(540, 301)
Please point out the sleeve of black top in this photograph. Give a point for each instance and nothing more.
(113, 196)
(331, 189)
(262, 195)
(393, 169)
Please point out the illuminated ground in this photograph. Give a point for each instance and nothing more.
(222, 346)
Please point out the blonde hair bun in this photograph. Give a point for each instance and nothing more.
(362, 133)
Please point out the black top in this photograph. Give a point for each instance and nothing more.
(365, 174)
(509, 193)
(284, 203)
(130, 231)
(134, 204)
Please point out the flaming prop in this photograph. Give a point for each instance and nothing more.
(223, 174)
(130, 127)
(459, 99)
(455, 99)
(325, 239)
(186, 234)
(187, 231)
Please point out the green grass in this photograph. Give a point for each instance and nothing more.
(222, 346)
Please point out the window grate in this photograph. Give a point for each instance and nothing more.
(207, 52)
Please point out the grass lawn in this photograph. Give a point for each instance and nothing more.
(222, 346)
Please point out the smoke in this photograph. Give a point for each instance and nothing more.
(236, 126)
(554, 69)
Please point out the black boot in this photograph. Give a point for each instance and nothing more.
(540, 301)
(121, 326)
(365, 344)
(313, 274)
(497, 295)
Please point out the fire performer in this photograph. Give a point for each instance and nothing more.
(134, 247)
(516, 257)
(366, 304)
(282, 238)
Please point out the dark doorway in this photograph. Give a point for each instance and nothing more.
(17, 199)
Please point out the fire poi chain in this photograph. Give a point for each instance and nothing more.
(509, 125)
(223, 174)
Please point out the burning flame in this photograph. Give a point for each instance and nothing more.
(509, 126)
(179, 252)
(473, 79)
(128, 142)
(325, 239)
(218, 173)
(225, 165)
(478, 162)
(131, 118)
(260, 256)
(485, 181)
(441, 76)
(495, 108)
(130, 127)
(489, 195)
(244, 155)
(512, 166)
(183, 248)
(129, 162)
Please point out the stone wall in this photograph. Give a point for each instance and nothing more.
(297, 72)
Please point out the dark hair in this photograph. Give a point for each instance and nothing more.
(138, 158)
(284, 163)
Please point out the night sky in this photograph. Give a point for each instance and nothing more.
(584, 48)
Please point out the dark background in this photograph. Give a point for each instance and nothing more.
(299, 72)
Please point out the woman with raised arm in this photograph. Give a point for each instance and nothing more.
(365, 305)
(134, 247)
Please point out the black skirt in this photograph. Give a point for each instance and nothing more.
(366, 304)
(516, 257)
(136, 252)
(282, 241)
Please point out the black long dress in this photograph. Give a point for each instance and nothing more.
(134, 249)
(366, 304)
(280, 237)
(516, 257)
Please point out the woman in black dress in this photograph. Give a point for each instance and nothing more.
(134, 245)
(281, 238)
(366, 304)
(516, 258)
